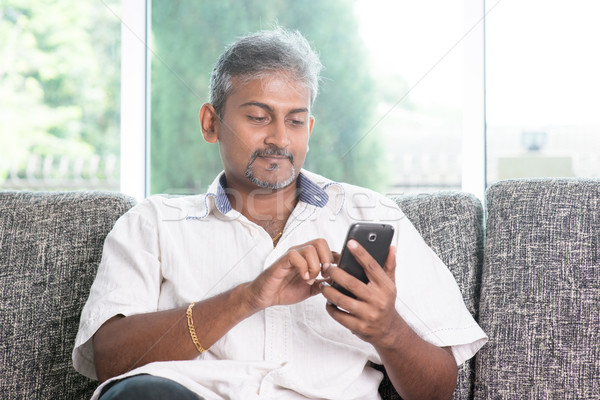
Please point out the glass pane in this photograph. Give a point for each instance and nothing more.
(389, 112)
(59, 85)
(542, 89)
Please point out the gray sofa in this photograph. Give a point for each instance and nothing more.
(533, 284)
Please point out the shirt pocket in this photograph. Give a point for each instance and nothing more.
(317, 321)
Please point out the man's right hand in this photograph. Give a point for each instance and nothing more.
(291, 278)
(123, 343)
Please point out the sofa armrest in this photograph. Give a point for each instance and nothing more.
(51, 244)
(540, 299)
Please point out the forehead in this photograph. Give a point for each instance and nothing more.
(277, 89)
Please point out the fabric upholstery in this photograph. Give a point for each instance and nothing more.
(540, 300)
(452, 225)
(51, 244)
(50, 247)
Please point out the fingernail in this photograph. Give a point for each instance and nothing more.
(310, 282)
(326, 267)
(352, 244)
(306, 275)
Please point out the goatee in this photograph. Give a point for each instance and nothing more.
(265, 153)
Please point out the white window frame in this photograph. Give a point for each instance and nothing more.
(474, 132)
(135, 92)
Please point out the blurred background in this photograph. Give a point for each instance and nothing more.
(395, 112)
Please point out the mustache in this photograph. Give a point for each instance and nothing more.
(272, 151)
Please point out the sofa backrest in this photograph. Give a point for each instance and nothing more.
(452, 225)
(540, 299)
(51, 245)
(50, 248)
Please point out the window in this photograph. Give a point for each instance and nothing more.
(391, 108)
(60, 91)
(543, 89)
(401, 108)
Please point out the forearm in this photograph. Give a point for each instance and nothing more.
(416, 368)
(125, 343)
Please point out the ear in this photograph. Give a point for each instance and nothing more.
(311, 124)
(209, 123)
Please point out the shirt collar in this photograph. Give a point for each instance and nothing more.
(308, 192)
(311, 193)
(221, 199)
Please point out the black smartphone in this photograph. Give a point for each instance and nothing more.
(375, 238)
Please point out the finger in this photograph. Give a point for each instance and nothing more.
(313, 263)
(298, 261)
(336, 257)
(318, 286)
(339, 299)
(323, 250)
(325, 256)
(348, 282)
(373, 270)
(390, 264)
(344, 318)
(325, 267)
(348, 319)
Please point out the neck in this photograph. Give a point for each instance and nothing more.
(265, 207)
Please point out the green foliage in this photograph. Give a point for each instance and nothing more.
(187, 39)
(59, 79)
(60, 74)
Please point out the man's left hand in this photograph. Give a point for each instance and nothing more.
(372, 315)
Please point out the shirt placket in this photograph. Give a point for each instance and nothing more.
(278, 326)
(278, 319)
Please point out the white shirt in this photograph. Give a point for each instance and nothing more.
(168, 252)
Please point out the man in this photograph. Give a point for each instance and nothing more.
(222, 295)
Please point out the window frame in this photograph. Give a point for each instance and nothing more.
(135, 92)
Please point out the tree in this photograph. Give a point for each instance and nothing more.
(59, 82)
(187, 37)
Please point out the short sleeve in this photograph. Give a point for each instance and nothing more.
(429, 298)
(127, 283)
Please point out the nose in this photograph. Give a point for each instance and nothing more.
(278, 135)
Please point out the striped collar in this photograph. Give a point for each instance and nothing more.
(308, 192)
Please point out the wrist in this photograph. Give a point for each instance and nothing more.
(397, 332)
(249, 303)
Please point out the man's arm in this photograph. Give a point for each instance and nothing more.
(124, 343)
(416, 368)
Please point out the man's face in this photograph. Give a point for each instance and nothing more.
(264, 133)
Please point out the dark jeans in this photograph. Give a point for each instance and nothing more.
(146, 387)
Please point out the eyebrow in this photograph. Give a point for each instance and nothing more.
(270, 109)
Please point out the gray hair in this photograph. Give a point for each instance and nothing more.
(259, 55)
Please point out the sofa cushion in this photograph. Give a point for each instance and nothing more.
(451, 223)
(540, 300)
(51, 244)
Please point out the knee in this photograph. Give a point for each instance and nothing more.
(147, 387)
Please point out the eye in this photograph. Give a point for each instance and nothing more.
(297, 122)
(257, 119)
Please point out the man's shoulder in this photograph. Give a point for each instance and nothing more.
(354, 196)
(348, 188)
(174, 207)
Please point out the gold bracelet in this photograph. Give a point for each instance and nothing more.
(188, 313)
